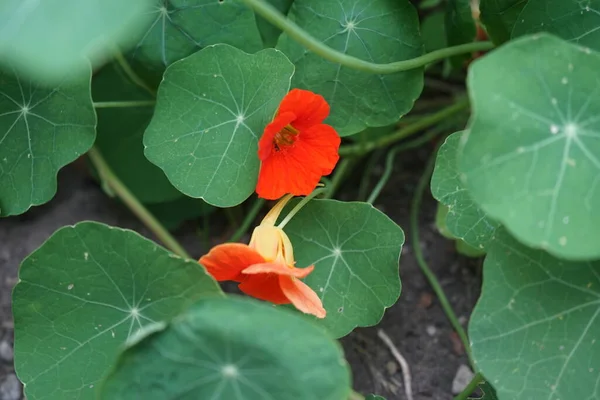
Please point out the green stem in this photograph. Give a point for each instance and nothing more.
(389, 162)
(464, 395)
(355, 396)
(109, 177)
(250, 217)
(433, 281)
(119, 104)
(299, 206)
(338, 177)
(271, 14)
(424, 123)
(135, 78)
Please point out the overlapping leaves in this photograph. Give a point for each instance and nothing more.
(500, 16)
(233, 348)
(83, 294)
(41, 130)
(380, 31)
(531, 157)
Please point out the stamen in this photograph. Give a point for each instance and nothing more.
(284, 137)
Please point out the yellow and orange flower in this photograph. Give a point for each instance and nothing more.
(296, 148)
(265, 268)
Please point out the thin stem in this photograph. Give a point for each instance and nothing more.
(424, 123)
(119, 104)
(135, 78)
(389, 162)
(464, 395)
(338, 176)
(109, 177)
(271, 14)
(365, 181)
(250, 217)
(433, 281)
(299, 206)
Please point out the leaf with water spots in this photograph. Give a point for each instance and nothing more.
(41, 130)
(574, 20)
(500, 16)
(464, 219)
(46, 39)
(211, 109)
(531, 158)
(236, 349)
(379, 31)
(355, 249)
(536, 328)
(82, 294)
(182, 27)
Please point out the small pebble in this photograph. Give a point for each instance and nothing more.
(6, 352)
(463, 377)
(431, 330)
(10, 388)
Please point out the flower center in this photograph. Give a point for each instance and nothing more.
(285, 137)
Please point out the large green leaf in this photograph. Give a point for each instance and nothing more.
(464, 219)
(535, 329)
(182, 27)
(47, 39)
(41, 130)
(120, 135)
(268, 32)
(355, 249)
(233, 348)
(379, 31)
(86, 291)
(500, 16)
(531, 158)
(574, 20)
(212, 107)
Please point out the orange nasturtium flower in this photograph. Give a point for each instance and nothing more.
(296, 148)
(265, 268)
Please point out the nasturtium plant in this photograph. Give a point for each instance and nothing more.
(282, 112)
(232, 349)
(379, 31)
(86, 292)
(42, 128)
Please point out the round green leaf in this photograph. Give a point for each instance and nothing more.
(42, 129)
(355, 249)
(379, 31)
(464, 219)
(531, 158)
(182, 27)
(233, 348)
(500, 16)
(120, 135)
(45, 39)
(573, 20)
(85, 292)
(212, 107)
(535, 329)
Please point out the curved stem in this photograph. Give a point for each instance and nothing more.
(109, 177)
(433, 281)
(120, 104)
(250, 217)
(299, 206)
(135, 78)
(464, 395)
(338, 177)
(271, 14)
(423, 123)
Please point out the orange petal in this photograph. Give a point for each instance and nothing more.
(265, 144)
(318, 147)
(302, 296)
(310, 108)
(264, 287)
(279, 269)
(225, 262)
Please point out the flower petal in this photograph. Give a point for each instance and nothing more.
(265, 144)
(264, 287)
(310, 108)
(302, 296)
(225, 262)
(285, 173)
(279, 269)
(318, 147)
